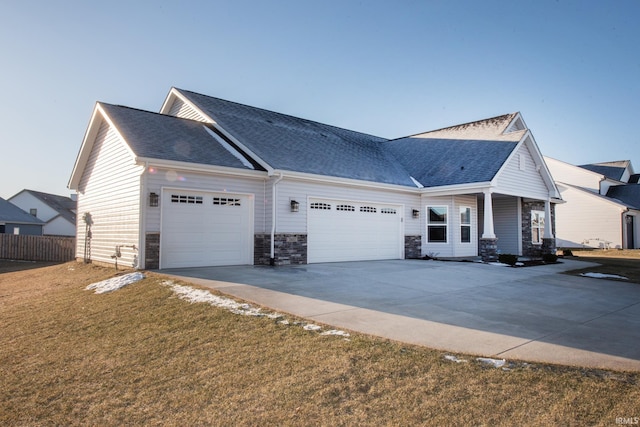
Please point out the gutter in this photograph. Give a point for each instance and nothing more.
(274, 195)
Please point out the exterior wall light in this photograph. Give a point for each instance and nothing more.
(416, 213)
(295, 206)
(153, 200)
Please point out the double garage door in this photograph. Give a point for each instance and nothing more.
(353, 231)
(205, 229)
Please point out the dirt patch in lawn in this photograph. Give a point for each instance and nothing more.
(613, 262)
(140, 355)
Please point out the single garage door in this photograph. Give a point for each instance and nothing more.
(205, 229)
(353, 231)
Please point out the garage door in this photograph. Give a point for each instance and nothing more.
(353, 231)
(205, 229)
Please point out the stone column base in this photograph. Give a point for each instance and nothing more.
(488, 249)
(549, 246)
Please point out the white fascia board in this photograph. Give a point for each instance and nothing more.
(457, 189)
(87, 145)
(200, 168)
(175, 93)
(347, 182)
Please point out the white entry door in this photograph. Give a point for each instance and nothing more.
(205, 229)
(353, 231)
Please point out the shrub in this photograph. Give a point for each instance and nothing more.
(550, 258)
(508, 259)
(567, 252)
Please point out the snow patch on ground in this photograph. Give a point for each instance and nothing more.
(453, 358)
(496, 363)
(499, 264)
(193, 295)
(603, 276)
(115, 283)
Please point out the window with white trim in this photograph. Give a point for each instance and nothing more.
(537, 227)
(465, 224)
(437, 222)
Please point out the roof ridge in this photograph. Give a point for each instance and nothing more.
(149, 112)
(280, 114)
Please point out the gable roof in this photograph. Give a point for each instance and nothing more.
(294, 144)
(65, 206)
(613, 170)
(628, 194)
(158, 136)
(10, 213)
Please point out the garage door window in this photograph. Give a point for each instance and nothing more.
(437, 224)
(322, 206)
(224, 201)
(347, 208)
(182, 198)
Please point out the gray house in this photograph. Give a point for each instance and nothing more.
(57, 212)
(14, 220)
(212, 182)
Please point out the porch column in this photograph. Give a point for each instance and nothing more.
(488, 245)
(548, 224)
(488, 233)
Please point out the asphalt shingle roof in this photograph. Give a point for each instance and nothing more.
(291, 143)
(612, 170)
(63, 205)
(629, 194)
(435, 162)
(163, 137)
(11, 213)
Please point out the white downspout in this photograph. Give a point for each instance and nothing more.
(274, 196)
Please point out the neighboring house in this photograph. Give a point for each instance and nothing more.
(212, 182)
(57, 212)
(602, 205)
(14, 220)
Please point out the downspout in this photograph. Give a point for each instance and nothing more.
(274, 195)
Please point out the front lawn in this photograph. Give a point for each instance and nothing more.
(140, 355)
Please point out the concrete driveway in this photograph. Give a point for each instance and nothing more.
(533, 314)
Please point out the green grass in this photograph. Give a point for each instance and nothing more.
(141, 356)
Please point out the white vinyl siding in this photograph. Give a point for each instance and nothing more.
(109, 190)
(181, 109)
(587, 219)
(506, 224)
(522, 177)
(573, 175)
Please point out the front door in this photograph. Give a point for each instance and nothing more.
(630, 232)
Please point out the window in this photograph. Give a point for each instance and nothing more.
(537, 226)
(465, 224)
(323, 206)
(437, 224)
(16, 230)
(388, 211)
(180, 198)
(347, 208)
(225, 201)
(369, 209)
(33, 211)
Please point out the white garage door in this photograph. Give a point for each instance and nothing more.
(353, 231)
(205, 229)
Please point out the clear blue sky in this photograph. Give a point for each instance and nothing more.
(389, 68)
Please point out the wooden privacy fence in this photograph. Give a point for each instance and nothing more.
(37, 248)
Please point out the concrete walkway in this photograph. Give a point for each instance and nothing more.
(532, 314)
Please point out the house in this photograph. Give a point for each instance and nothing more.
(602, 205)
(57, 212)
(212, 182)
(14, 220)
